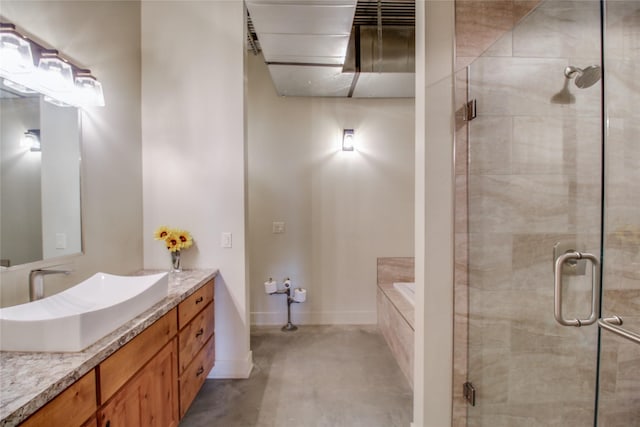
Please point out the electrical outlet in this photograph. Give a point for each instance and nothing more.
(278, 227)
(226, 240)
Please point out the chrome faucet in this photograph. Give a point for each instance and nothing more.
(36, 282)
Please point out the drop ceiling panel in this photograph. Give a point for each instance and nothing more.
(277, 46)
(310, 81)
(303, 2)
(385, 85)
(301, 19)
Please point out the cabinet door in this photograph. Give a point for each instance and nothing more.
(149, 398)
(124, 409)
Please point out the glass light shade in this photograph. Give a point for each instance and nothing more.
(55, 75)
(348, 137)
(15, 54)
(89, 92)
(31, 139)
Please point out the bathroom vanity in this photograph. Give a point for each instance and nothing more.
(147, 372)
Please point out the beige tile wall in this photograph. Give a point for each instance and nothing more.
(396, 317)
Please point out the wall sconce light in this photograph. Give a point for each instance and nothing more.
(28, 66)
(348, 140)
(32, 140)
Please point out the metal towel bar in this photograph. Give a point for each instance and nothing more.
(612, 324)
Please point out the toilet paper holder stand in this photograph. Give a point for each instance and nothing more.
(289, 327)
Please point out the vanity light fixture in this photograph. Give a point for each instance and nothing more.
(15, 51)
(58, 79)
(32, 140)
(89, 89)
(348, 140)
(54, 73)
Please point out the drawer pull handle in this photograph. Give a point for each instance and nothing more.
(199, 300)
(200, 332)
(199, 371)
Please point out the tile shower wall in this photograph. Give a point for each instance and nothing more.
(533, 180)
(619, 400)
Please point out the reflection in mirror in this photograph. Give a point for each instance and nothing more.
(39, 179)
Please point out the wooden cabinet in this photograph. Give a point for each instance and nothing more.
(191, 306)
(196, 343)
(72, 407)
(194, 376)
(194, 336)
(150, 381)
(115, 371)
(149, 398)
(139, 383)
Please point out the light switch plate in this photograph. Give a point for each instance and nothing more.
(226, 240)
(278, 227)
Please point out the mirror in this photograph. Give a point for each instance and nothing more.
(40, 212)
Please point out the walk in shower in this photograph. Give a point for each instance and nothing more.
(550, 165)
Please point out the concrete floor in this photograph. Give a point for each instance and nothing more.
(333, 376)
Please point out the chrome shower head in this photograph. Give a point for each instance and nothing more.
(584, 78)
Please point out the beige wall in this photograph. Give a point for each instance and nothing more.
(112, 147)
(342, 210)
(434, 191)
(194, 152)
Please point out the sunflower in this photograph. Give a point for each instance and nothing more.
(184, 238)
(162, 232)
(173, 242)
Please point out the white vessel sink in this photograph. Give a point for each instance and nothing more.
(76, 318)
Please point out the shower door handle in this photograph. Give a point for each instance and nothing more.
(595, 288)
(612, 324)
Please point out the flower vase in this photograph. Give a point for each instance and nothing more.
(176, 266)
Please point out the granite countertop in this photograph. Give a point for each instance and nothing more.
(29, 380)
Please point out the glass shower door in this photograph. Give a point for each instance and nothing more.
(619, 377)
(534, 180)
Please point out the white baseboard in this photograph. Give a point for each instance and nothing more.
(232, 369)
(315, 318)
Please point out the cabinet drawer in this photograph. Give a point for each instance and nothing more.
(193, 377)
(188, 308)
(124, 363)
(72, 407)
(193, 337)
